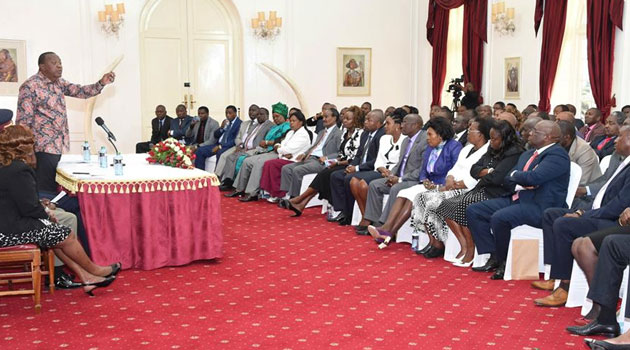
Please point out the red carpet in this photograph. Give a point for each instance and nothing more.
(288, 283)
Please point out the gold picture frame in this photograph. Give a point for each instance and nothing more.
(12, 66)
(512, 75)
(354, 71)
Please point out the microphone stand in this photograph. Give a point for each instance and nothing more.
(113, 144)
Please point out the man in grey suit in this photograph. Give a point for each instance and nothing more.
(580, 152)
(201, 129)
(326, 146)
(404, 175)
(245, 129)
(245, 145)
(585, 195)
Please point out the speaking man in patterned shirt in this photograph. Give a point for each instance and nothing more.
(42, 108)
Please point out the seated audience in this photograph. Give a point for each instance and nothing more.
(201, 129)
(526, 129)
(484, 111)
(317, 119)
(594, 126)
(585, 194)
(366, 108)
(605, 144)
(160, 125)
(254, 142)
(297, 141)
(626, 110)
(520, 119)
(580, 152)
(389, 111)
(569, 118)
(386, 159)
(498, 108)
(225, 139)
(560, 108)
(460, 126)
(180, 125)
(508, 117)
(458, 181)
(24, 220)
(489, 171)
(408, 170)
(341, 197)
(247, 180)
(562, 226)
(352, 146)
(539, 181)
(326, 147)
(571, 108)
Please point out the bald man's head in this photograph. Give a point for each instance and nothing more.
(545, 133)
(566, 116)
(508, 117)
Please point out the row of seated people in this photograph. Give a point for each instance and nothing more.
(480, 191)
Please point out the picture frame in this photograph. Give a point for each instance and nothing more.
(354, 71)
(512, 76)
(12, 66)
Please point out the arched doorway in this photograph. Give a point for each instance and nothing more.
(190, 41)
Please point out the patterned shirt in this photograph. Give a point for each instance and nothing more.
(42, 108)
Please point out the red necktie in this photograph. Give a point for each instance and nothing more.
(525, 168)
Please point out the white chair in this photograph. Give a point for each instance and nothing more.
(578, 287)
(451, 246)
(211, 162)
(605, 163)
(529, 232)
(306, 180)
(356, 213)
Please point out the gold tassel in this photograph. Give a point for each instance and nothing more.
(194, 187)
(140, 188)
(169, 187)
(188, 185)
(115, 189)
(133, 188)
(158, 186)
(127, 189)
(80, 187)
(152, 188)
(109, 189)
(89, 188)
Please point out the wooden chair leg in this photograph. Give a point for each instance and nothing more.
(50, 255)
(37, 281)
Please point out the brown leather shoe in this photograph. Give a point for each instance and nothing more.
(557, 298)
(544, 285)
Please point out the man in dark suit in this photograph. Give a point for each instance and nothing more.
(460, 125)
(405, 174)
(342, 198)
(605, 144)
(180, 125)
(201, 130)
(226, 138)
(562, 226)
(326, 146)
(160, 125)
(539, 181)
(585, 194)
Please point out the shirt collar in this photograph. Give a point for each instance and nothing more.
(542, 149)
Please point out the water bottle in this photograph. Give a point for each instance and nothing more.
(414, 242)
(86, 152)
(102, 157)
(118, 164)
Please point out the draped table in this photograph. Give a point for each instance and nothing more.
(150, 217)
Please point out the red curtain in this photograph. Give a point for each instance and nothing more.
(603, 16)
(553, 31)
(475, 22)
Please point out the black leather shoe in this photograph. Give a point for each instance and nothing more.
(498, 274)
(424, 250)
(234, 194)
(345, 221)
(62, 282)
(359, 227)
(248, 198)
(490, 265)
(433, 252)
(603, 345)
(224, 188)
(595, 328)
(362, 231)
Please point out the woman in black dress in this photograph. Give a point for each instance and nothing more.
(24, 220)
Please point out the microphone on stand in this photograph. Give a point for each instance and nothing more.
(100, 122)
(110, 135)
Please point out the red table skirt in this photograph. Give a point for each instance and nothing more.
(148, 230)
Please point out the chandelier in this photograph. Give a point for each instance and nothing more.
(266, 29)
(112, 20)
(503, 19)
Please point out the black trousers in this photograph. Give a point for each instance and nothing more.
(614, 257)
(46, 171)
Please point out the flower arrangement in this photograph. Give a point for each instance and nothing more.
(172, 153)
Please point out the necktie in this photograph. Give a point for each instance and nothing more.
(404, 160)
(525, 168)
(433, 157)
(250, 136)
(367, 148)
(603, 143)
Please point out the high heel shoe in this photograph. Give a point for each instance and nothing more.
(104, 283)
(115, 269)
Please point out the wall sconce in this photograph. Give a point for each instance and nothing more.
(112, 20)
(503, 19)
(266, 29)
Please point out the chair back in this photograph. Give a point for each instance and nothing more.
(574, 182)
(605, 163)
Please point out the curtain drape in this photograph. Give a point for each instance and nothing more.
(475, 34)
(603, 16)
(553, 32)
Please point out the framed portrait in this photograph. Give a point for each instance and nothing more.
(12, 66)
(512, 78)
(354, 71)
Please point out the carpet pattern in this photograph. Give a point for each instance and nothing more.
(293, 283)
